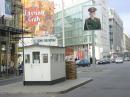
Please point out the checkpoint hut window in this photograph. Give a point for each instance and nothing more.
(56, 57)
(36, 57)
(27, 58)
(45, 58)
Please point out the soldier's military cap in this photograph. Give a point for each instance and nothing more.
(92, 9)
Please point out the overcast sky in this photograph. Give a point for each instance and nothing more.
(122, 7)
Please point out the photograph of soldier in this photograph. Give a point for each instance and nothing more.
(92, 23)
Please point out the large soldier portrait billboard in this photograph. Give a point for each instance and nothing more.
(38, 16)
(91, 18)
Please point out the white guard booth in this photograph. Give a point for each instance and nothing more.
(43, 65)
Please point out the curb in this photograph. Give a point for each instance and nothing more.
(71, 88)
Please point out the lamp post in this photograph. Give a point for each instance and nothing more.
(93, 42)
(63, 28)
(23, 34)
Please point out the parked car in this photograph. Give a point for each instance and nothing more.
(119, 60)
(126, 59)
(112, 60)
(108, 61)
(103, 61)
(77, 61)
(83, 63)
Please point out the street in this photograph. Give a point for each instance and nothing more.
(110, 80)
(112, 84)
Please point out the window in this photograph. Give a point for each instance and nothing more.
(36, 57)
(27, 58)
(52, 57)
(110, 26)
(45, 58)
(56, 57)
(60, 57)
(90, 38)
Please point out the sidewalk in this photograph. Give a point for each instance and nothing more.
(84, 74)
(63, 87)
(7, 77)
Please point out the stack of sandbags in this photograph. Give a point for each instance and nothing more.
(71, 70)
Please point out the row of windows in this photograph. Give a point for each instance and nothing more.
(70, 20)
(78, 40)
(36, 58)
(68, 12)
(57, 58)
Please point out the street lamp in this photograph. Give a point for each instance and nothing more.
(63, 28)
(93, 42)
(23, 32)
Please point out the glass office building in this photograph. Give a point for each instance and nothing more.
(76, 37)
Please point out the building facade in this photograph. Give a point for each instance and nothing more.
(126, 39)
(76, 37)
(10, 30)
(116, 32)
(126, 42)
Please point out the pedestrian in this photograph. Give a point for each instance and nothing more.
(20, 68)
(92, 23)
(2, 70)
(91, 60)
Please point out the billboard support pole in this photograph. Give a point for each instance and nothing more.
(93, 47)
(93, 42)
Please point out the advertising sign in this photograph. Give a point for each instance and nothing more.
(80, 54)
(69, 51)
(39, 16)
(92, 18)
(46, 41)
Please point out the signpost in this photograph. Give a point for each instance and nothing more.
(46, 40)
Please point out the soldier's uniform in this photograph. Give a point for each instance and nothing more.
(92, 24)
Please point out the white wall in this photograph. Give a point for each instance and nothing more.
(37, 72)
(57, 67)
(44, 71)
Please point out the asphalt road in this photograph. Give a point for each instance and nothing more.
(116, 83)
